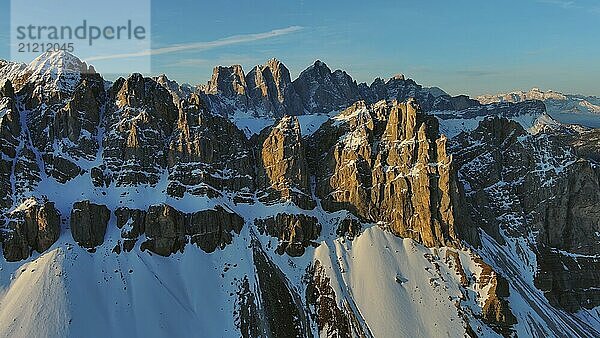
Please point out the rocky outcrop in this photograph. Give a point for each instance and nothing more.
(60, 168)
(76, 123)
(332, 320)
(6, 195)
(168, 230)
(10, 125)
(266, 90)
(88, 223)
(282, 167)
(165, 230)
(386, 162)
(33, 226)
(26, 173)
(271, 92)
(295, 232)
(227, 92)
(140, 118)
(496, 310)
(212, 229)
(229, 82)
(349, 227)
(178, 92)
(213, 149)
(10, 129)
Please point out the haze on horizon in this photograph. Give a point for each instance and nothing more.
(466, 47)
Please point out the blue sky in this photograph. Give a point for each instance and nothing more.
(470, 47)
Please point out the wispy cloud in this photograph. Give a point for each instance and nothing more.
(225, 59)
(572, 4)
(203, 45)
(560, 3)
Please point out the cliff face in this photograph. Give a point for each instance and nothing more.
(265, 91)
(270, 89)
(33, 226)
(522, 184)
(387, 163)
(282, 173)
(293, 225)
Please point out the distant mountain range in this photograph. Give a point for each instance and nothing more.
(566, 108)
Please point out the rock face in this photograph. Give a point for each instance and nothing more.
(165, 230)
(496, 310)
(386, 162)
(522, 184)
(266, 90)
(179, 92)
(33, 226)
(140, 118)
(229, 82)
(333, 320)
(168, 229)
(213, 149)
(349, 227)
(322, 90)
(282, 168)
(568, 282)
(295, 232)
(270, 90)
(88, 223)
(211, 229)
(10, 129)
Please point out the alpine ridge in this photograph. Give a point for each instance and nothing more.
(141, 207)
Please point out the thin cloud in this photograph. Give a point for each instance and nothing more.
(560, 3)
(204, 45)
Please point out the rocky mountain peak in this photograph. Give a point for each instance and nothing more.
(320, 65)
(60, 60)
(59, 70)
(283, 172)
(376, 194)
(227, 81)
(399, 77)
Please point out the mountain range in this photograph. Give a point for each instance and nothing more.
(567, 108)
(257, 205)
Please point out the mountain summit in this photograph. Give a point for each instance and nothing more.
(140, 208)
